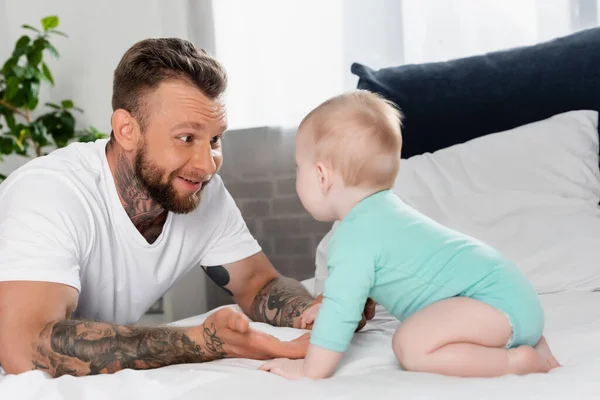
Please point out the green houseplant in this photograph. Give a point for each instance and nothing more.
(20, 79)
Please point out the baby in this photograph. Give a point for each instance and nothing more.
(466, 310)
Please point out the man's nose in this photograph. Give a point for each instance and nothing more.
(203, 159)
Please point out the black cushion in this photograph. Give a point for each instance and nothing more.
(451, 102)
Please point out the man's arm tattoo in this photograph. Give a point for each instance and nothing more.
(280, 302)
(77, 347)
(219, 275)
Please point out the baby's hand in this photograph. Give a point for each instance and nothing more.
(309, 316)
(290, 369)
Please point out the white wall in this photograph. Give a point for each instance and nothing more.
(99, 33)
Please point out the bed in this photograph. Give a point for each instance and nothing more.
(368, 371)
(499, 146)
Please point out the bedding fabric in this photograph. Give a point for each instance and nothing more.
(369, 369)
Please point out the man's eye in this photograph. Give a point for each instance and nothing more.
(216, 139)
(186, 139)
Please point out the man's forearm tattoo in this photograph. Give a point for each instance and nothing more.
(219, 275)
(77, 347)
(280, 302)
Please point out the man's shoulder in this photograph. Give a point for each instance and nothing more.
(75, 167)
(76, 157)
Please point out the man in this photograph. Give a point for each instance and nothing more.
(91, 235)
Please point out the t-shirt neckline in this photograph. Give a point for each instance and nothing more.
(116, 206)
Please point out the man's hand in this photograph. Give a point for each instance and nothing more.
(309, 316)
(237, 340)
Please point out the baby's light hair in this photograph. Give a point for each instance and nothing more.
(358, 134)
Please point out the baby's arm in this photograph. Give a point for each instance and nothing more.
(351, 276)
(320, 363)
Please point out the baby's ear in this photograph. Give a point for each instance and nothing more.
(325, 177)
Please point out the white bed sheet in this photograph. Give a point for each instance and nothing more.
(369, 370)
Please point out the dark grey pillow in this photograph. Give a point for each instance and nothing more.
(447, 103)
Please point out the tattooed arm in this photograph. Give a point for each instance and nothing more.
(87, 348)
(263, 294)
(281, 302)
(37, 334)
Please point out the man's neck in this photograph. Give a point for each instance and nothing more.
(147, 216)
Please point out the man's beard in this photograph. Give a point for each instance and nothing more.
(151, 175)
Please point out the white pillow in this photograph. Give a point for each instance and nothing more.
(532, 192)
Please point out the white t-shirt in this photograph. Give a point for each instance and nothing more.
(61, 221)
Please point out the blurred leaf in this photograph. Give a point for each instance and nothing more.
(58, 32)
(31, 28)
(21, 46)
(19, 99)
(66, 104)
(91, 135)
(35, 54)
(50, 22)
(9, 117)
(39, 133)
(32, 95)
(12, 87)
(60, 125)
(22, 42)
(7, 144)
(20, 134)
(35, 57)
(2, 177)
(87, 137)
(19, 71)
(47, 74)
(9, 65)
(35, 74)
(78, 109)
(22, 149)
(52, 105)
(51, 49)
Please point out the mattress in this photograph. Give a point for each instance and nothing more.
(368, 370)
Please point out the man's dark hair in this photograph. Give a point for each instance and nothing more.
(152, 61)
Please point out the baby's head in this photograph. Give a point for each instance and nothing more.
(349, 143)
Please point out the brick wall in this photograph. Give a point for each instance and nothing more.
(259, 172)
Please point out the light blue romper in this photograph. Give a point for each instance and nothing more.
(405, 261)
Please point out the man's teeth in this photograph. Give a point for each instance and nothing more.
(194, 182)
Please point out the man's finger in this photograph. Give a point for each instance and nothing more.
(276, 348)
(362, 323)
(370, 309)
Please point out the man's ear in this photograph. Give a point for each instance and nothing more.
(325, 177)
(125, 129)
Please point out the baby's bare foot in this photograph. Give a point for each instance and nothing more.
(545, 353)
(526, 360)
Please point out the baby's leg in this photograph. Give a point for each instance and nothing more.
(463, 337)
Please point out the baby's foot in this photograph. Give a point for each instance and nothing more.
(526, 360)
(543, 350)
